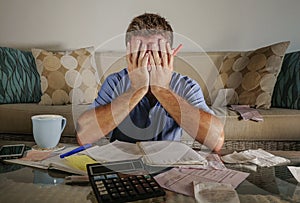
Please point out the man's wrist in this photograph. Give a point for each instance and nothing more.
(158, 89)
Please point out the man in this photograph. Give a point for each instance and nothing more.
(147, 100)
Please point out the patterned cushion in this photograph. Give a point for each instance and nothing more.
(67, 77)
(19, 79)
(286, 92)
(253, 74)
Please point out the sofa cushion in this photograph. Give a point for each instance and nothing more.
(279, 125)
(20, 81)
(253, 74)
(16, 118)
(67, 77)
(286, 92)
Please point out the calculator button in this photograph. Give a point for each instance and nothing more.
(121, 189)
(152, 183)
(110, 185)
(142, 180)
(102, 177)
(105, 197)
(123, 194)
(112, 190)
(99, 182)
(108, 181)
(132, 177)
(140, 189)
(103, 192)
(126, 183)
(101, 188)
(128, 187)
(132, 192)
(146, 185)
(115, 195)
(156, 188)
(134, 181)
(118, 184)
(148, 189)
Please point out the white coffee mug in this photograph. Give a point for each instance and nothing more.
(47, 129)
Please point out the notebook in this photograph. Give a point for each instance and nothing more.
(154, 153)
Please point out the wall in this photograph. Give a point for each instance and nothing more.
(212, 25)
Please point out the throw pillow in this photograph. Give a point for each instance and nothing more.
(286, 92)
(67, 77)
(19, 78)
(253, 74)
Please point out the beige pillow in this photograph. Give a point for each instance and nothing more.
(253, 74)
(67, 77)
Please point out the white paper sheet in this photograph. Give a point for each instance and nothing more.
(164, 153)
(215, 192)
(259, 157)
(295, 172)
(115, 151)
(181, 180)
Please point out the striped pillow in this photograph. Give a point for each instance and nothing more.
(286, 92)
(19, 78)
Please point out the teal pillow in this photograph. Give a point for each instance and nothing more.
(19, 78)
(286, 92)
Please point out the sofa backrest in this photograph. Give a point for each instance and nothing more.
(200, 66)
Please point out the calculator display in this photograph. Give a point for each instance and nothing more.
(123, 166)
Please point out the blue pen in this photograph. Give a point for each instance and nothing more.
(74, 151)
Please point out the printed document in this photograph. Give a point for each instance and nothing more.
(258, 157)
(181, 180)
(156, 153)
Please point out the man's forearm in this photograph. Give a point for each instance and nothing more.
(111, 115)
(98, 122)
(204, 127)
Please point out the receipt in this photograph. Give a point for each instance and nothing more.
(257, 156)
(215, 192)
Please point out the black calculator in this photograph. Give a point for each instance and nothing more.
(122, 181)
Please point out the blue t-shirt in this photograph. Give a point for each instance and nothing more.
(145, 123)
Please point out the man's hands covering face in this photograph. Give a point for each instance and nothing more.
(137, 60)
(150, 65)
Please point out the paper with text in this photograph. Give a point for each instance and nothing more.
(181, 180)
(258, 156)
(115, 151)
(170, 153)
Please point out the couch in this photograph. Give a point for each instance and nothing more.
(280, 129)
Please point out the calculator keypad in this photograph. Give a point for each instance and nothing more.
(117, 187)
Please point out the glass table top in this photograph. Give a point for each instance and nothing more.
(25, 184)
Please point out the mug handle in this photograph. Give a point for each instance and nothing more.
(63, 124)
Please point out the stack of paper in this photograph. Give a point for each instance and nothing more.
(258, 157)
(182, 180)
(156, 153)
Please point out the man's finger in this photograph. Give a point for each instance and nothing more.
(156, 56)
(128, 55)
(152, 62)
(164, 55)
(171, 56)
(142, 55)
(145, 60)
(134, 51)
